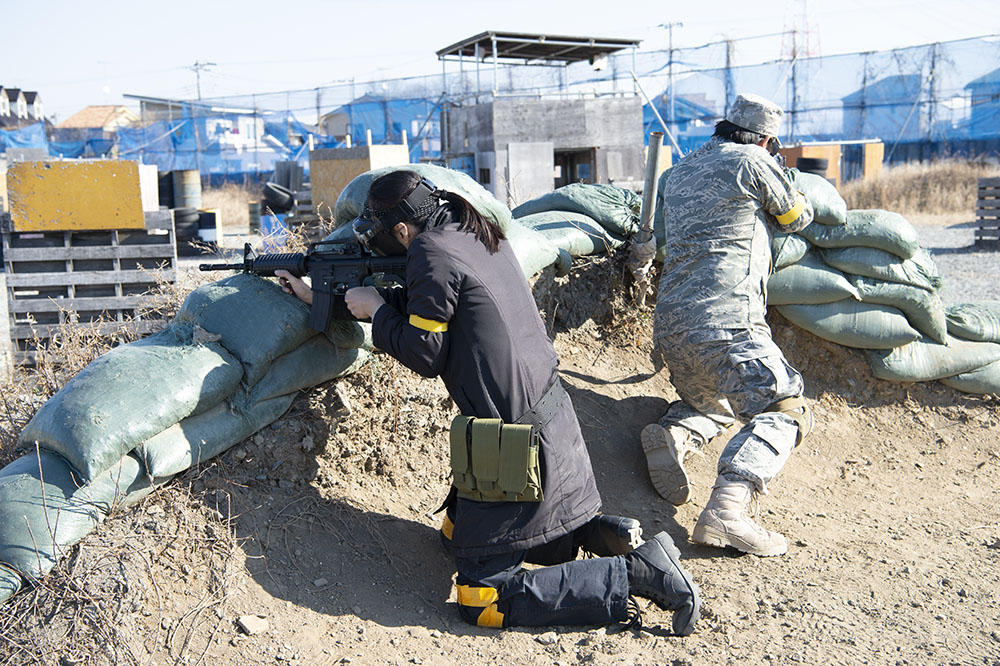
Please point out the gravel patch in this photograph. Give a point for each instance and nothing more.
(970, 274)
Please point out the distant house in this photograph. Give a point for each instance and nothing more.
(984, 111)
(886, 109)
(14, 108)
(105, 118)
(34, 103)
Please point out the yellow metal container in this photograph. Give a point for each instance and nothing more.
(75, 196)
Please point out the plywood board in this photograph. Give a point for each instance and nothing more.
(74, 196)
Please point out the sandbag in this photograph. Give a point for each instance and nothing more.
(614, 208)
(925, 360)
(198, 438)
(810, 281)
(918, 271)
(984, 380)
(868, 228)
(128, 395)
(255, 319)
(853, 324)
(975, 321)
(922, 308)
(40, 520)
(10, 583)
(533, 251)
(576, 233)
(348, 334)
(786, 249)
(829, 207)
(315, 362)
(351, 200)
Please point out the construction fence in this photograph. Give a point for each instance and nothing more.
(925, 101)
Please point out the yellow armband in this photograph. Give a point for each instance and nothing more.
(794, 213)
(428, 324)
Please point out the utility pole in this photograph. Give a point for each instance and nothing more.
(670, 67)
(197, 68)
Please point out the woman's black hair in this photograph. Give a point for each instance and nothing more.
(727, 131)
(388, 190)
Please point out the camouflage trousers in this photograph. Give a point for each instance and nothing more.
(724, 374)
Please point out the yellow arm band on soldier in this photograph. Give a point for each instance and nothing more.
(476, 597)
(793, 214)
(428, 324)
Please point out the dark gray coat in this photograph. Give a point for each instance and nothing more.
(496, 361)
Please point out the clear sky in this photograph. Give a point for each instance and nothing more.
(75, 53)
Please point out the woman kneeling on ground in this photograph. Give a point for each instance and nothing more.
(467, 314)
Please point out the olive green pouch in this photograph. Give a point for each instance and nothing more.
(495, 462)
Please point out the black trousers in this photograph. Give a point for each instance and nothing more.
(497, 591)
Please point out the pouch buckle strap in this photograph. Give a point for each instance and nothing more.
(546, 407)
(797, 409)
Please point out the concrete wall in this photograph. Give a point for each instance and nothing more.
(470, 129)
(529, 170)
(611, 125)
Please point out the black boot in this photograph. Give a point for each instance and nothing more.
(655, 572)
(606, 536)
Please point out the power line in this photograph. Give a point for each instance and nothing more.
(198, 67)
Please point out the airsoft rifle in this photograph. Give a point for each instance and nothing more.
(333, 266)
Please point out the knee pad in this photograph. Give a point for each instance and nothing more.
(478, 606)
(797, 409)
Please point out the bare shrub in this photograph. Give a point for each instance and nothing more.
(940, 187)
(232, 200)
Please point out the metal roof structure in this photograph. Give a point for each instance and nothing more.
(514, 46)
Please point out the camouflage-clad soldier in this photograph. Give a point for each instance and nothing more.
(709, 327)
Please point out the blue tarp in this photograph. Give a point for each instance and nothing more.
(32, 136)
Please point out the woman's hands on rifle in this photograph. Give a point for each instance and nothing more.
(361, 301)
(296, 286)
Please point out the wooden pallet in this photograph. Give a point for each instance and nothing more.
(988, 213)
(94, 280)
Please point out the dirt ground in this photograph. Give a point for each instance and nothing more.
(314, 542)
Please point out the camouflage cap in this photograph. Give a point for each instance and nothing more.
(755, 113)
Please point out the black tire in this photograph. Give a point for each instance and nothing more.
(186, 231)
(165, 183)
(816, 165)
(277, 198)
(186, 224)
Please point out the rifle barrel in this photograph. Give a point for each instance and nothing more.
(220, 267)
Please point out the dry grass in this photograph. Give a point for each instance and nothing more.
(232, 200)
(942, 188)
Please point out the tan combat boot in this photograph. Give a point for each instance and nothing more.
(666, 450)
(724, 522)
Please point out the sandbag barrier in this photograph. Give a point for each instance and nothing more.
(239, 350)
(230, 363)
(859, 278)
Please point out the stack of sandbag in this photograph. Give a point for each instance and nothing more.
(860, 278)
(534, 251)
(583, 219)
(970, 363)
(230, 363)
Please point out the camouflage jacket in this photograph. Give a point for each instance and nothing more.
(718, 203)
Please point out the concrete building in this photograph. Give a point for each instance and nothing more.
(522, 147)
